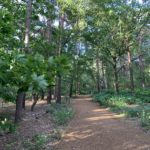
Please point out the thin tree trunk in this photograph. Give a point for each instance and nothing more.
(104, 77)
(27, 36)
(58, 96)
(49, 97)
(55, 90)
(71, 88)
(49, 30)
(141, 64)
(27, 26)
(42, 94)
(35, 99)
(142, 72)
(116, 75)
(59, 51)
(98, 75)
(78, 87)
(19, 101)
(49, 37)
(130, 71)
(116, 81)
(107, 77)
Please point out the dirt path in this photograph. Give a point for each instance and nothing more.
(95, 128)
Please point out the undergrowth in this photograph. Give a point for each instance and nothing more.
(6, 125)
(61, 113)
(132, 105)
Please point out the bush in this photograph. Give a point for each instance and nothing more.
(143, 95)
(145, 117)
(119, 103)
(102, 98)
(61, 113)
(125, 96)
(133, 112)
(36, 143)
(6, 126)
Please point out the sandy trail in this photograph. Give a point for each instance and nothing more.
(95, 128)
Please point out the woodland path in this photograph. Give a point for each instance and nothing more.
(95, 128)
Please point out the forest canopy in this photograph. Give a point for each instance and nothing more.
(71, 47)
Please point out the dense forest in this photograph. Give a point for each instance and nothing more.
(58, 49)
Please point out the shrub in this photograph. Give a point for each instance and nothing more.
(36, 143)
(143, 95)
(102, 98)
(145, 119)
(61, 113)
(119, 103)
(133, 112)
(6, 126)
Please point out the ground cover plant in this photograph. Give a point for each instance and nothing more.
(132, 105)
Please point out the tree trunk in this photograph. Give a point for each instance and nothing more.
(58, 96)
(78, 87)
(35, 99)
(42, 94)
(49, 97)
(19, 102)
(116, 75)
(130, 71)
(24, 101)
(59, 51)
(104, 77)
(49, 29)
(71, 88)
(98, 75)
(142, 72)
(141, 64)
(108, 80)
(116, 81)
(27, 26)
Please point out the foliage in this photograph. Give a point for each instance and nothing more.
(6, 126)
(143, 95)
(8, 93)
(120, 104)
(61, 113)
(108, 97)
(36, 143)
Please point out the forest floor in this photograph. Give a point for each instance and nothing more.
(34, 123)
(96, 128)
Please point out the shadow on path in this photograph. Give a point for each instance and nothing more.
(95, 128)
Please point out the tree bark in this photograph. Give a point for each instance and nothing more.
(42, 94)
(27, 25)
(71, 88)
(116, 75)
(104, 77)
(49, 29)
(19, 101)
(98, 75)
(49, 97)
(24, 101)
(35, 99)
(142, 72)
(130, 71)
(59, 51)
(58, 96)
(141, 64)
